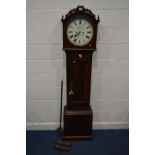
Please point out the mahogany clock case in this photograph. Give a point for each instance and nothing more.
(78, 115)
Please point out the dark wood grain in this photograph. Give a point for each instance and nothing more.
(77, 124)
(78, 114)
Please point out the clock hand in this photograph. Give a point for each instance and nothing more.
(75, 35)
(79, 33)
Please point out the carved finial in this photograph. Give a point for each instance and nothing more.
(62, 19)
(98, 18)
(80, 7)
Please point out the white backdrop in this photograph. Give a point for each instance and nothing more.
(46, 63)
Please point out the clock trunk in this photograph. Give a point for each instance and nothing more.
(78, 79)
(78, 114)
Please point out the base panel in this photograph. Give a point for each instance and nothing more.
(77, 124)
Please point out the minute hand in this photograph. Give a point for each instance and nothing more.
(77, 35)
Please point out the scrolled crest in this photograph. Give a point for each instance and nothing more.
(80, 9)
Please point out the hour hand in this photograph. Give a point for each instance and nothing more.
(79, 33)
(76, 34)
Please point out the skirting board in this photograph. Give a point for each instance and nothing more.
(96, 125)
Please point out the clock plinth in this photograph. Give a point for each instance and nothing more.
(79, 43)
(77, 124)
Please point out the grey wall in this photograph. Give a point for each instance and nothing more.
(46, 63)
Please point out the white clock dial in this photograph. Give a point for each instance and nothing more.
(80, 32)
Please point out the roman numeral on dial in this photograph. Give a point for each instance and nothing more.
(71, 36)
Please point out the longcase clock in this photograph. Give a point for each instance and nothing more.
(79, 43)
